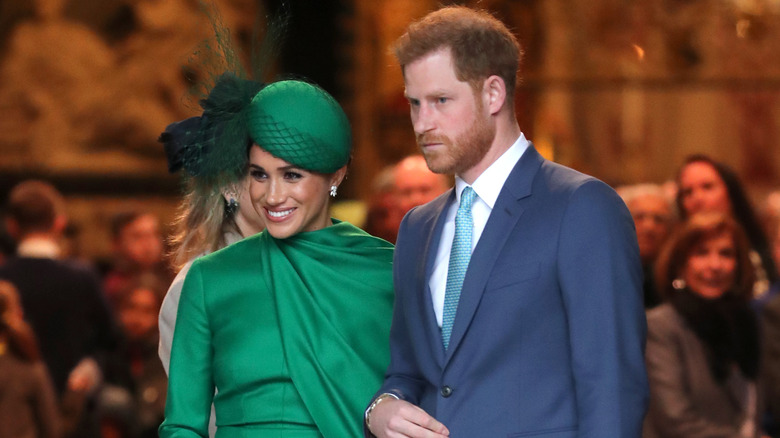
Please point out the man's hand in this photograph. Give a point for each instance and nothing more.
(85, 377)
(400, 419)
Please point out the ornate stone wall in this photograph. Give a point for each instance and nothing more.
(622, 90)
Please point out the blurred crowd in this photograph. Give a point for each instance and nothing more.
(711, 291)
(79, 340)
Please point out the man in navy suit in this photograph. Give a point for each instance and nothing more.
(548, 331)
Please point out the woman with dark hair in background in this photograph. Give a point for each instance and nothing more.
(703, 344)
(706, 185)
(28, 406)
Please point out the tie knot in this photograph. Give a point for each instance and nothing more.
(467, 198)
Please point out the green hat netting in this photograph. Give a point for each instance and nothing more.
(301, 124)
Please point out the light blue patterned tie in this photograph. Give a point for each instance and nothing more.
(459, 262)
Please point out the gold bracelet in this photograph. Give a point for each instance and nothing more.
(382, 397)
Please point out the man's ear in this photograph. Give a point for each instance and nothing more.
(494, 94)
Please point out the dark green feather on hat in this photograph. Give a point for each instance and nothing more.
(293, 120)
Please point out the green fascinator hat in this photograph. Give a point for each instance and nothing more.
(302, 124)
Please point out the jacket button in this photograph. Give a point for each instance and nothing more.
(446, 391)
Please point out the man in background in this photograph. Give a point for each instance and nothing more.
(399, 188)
(654, 219)
(415, 184)
(62, 300)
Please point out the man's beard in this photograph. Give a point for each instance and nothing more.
(461, 154)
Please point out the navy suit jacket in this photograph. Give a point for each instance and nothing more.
(549, 334)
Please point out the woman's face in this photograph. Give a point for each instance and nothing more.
(138, 313)
(703, 190)
(711, 267)
(288, 199)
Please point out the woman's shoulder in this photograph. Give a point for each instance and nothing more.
(364, 237)
(663, 317)
(230, 257)
(341, 235)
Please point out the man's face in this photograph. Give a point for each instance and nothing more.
(450, 122)
(652, 217)
(140, 241)
(415, 184)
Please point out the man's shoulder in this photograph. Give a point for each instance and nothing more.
(421, 220)
(38, 276)
(429, 210)
(46, 266)
(557, 185)
(561, 177)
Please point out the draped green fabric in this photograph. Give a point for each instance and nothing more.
(292, 333)
(333, 292)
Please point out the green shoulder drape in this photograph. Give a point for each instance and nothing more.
(293, 333)
(333, 291)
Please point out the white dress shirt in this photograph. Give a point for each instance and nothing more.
(38, 248)
(487, 187)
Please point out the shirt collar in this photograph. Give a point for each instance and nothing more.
(489, 184)
(38, 248)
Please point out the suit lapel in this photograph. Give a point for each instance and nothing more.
(506, 212)
(432, 233)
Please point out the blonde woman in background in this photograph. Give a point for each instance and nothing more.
(214, 213)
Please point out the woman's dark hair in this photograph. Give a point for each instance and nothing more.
(20, 337)
(741, 209)
(692, 233)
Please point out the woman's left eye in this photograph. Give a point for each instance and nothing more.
(257, 174)
(293, 175)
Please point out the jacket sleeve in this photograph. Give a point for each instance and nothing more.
(190, 383)
(402, 379)
(601, 283)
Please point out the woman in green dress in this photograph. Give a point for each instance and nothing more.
(290, 327)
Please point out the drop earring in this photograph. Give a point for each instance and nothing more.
(232, 206)
(678, 283)
(333, 190)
